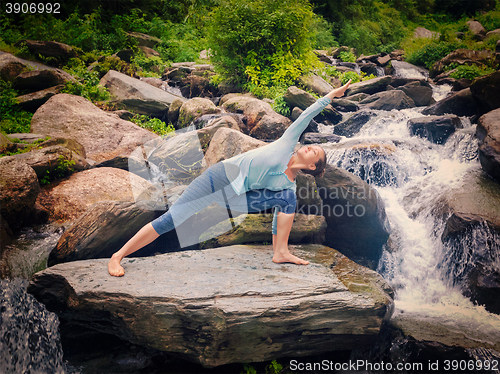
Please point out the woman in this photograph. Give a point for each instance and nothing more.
(256, 180)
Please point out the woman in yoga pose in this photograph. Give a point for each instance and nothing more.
(256, 180)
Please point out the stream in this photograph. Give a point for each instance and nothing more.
(410, 174)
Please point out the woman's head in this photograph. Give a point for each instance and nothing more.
(315, 157)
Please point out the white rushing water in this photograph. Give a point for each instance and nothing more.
(412, 174)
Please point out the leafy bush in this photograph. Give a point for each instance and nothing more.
(14, 119)
(470, 72)
(87, 85)
(155, 125)
(264, 42)
(347, 56)
(431, 53)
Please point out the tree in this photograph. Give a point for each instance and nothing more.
(261, 42)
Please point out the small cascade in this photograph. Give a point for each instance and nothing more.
(412, 175)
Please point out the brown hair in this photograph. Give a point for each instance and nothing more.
(320, 167)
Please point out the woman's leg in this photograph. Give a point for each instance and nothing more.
(142, 238)
(285, 201)
(198, 195)
(280, 241)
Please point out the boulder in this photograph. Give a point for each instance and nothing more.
(138, 96)
(313, 125)
(319, 138)
(461, 57)
(421, 32)
(485, 90)
(179, 159)
(194, 108)
(295, 97)
(436, 129)
(358, 97)
(402, 69)
(197, 86)
(53, 161)
(37, 80)
(492, 34)
(70, 198)
(227, 143)
(374, 162)
(71, 144)
(256, 228)
(261, 120)
(144, 39)
(31, 102)
(429, 337)
(388, 100)
(149, 52)
(19, 189)
(103, 229)
(5, 144)
(173, 110)
(370, 86)
(224, 305)
(355, 215)
(351, 126)
(62, 52)
(307, 193)
(315, 83)
(472, 226)
(344, 105)
(421, 95)
(10, 67)
(476, 29)
(488, 135)
(461, 103)
(206, 133)
(103, 135)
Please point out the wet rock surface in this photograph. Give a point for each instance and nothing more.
(236, 305)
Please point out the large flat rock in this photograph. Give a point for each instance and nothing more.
(224, 305)
(136, 95)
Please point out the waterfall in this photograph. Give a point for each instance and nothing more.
(412, 175)
(29, 334)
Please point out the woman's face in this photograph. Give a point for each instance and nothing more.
(311, 154)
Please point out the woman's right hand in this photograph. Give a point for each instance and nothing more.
(338, 92)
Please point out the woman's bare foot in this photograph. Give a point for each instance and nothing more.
(115, 268)
(280, 258)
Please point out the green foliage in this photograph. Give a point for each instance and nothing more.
(264, 42)
(370, 26)
(324, 34)
(155, 125)
(63, 168)
(274, 368)
(431, 53)
(347, 56)
(14, 119)
(249, 369)
(87, 85)
(470, 72)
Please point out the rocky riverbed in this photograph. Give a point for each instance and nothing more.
(199, 304)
